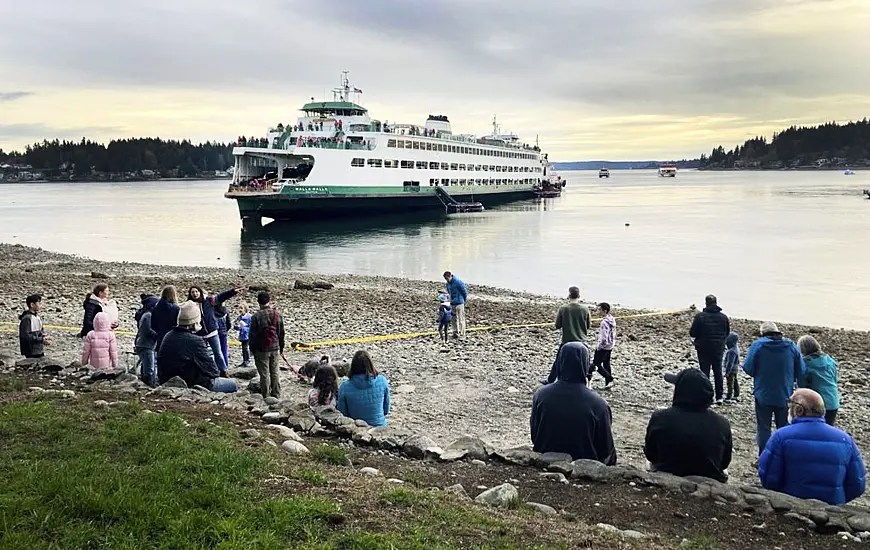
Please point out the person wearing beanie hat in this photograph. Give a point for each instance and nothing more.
(146, 340)
(188, 356)
(774, 363)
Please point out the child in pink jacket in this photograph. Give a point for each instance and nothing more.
(101, 350)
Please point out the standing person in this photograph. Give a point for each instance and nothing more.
(95, 302)
(731, 364)
(774, 363)
(222, 316)
(185, 354)
(604, 346)
(101, 348)
(445, 314)
(267, 342)
(365, 395)
(573, 320)
(568, 417)
(458, 292)
(810, 459)
(243, 325)
(688, 439)
(710, 328)
(821, 375)
(164, 316)
(31, 334)
(146, 341)
(209, 330)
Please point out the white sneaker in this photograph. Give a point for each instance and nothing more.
(608, 385)
(717, 403)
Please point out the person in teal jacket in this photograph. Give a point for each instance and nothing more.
(365, 395)
(821, 376)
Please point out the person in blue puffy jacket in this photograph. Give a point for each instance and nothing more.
(809, 458)
(774, 363)
(365, 395)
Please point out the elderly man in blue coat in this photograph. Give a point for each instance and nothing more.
(809, 458)
(458, 296)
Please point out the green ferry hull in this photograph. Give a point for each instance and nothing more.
(312, 206)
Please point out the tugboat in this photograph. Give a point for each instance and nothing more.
(867, 193)
(604, 173)
(849, 172)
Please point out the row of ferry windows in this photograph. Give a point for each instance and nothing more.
(435, 182)
(423, 165)
(447, 148)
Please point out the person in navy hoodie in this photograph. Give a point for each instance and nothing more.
(164, 316)
(458, 296)
(809, 458)
(365, 395)
(209, 330)
(774, 363)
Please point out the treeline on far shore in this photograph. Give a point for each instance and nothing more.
(85, 159)
(825, 146)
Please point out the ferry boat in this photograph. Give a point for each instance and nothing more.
(338, 160)
(604, 173)
(668, 171)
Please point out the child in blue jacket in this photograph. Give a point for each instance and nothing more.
(243, 325)
(445, 314)
(730, 366)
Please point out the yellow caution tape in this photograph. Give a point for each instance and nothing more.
(311, 346)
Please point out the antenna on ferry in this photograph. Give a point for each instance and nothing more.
(494, 126)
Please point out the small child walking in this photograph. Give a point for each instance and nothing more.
(101, 349)
(604, 346)
(730, 365)
(243, 325)
(445, 315)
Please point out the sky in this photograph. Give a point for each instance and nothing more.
(591, 79)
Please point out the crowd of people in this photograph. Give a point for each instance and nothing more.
(795, 385)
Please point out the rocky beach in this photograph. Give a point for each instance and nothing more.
(481, 387)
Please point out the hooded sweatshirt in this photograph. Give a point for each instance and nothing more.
(607, 333)
(570, 418)
(822, 376)
(31, 336)
(101, 349)
(688, 438)
(732, 354)
(364, 397)
(774, 363)
(146, 337)
(164, 317)
(92, 306)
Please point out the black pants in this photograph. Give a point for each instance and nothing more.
(712, 360)
(246, 352)
(601, 363)
(831, 417)
(733, 385)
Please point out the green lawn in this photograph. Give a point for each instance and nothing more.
(75, 477)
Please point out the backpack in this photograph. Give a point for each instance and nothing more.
(270, 332)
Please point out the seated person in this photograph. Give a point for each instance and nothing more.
(809, 458)
(568, 417)
(688, 439)
(184, 354)
(365, 395)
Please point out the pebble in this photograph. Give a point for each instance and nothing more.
(395, 481)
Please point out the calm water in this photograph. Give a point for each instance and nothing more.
(785, 246)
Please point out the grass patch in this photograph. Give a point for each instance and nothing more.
(312, 477)
(9, 385)
(700, 542)
(399, 496)
(330, 455)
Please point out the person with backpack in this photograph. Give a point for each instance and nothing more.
(266, 339)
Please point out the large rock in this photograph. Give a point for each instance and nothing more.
(859, 522)
(467, 446)
(389, 437)
(521, 456)
(294, 447)
(546, 459)
(591, 470)
(302, 422)
(332, 418)
(503, 496)
(421, 446)
(174, 382)
(284, 432)
(110, 374)
(274, 418)
(254, 385)
(542, 509)
(243, 373)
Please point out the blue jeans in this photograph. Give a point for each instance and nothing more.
(214, 342)
(147, 365)
(224, 385)
(225, 351)
(763, 415)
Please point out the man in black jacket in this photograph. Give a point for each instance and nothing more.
(31, 335)
(688, 438)
(188, 356)
(568, 417)
(710, 328)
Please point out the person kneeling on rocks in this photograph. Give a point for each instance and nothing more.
(688, 439)
(186, 355)
(31, 335)
(568, 417)
(809, 458)
(365, 395)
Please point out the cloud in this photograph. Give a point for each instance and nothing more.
(559, 68)
(26, 133)
(12, 96)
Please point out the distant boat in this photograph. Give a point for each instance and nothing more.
(849, 172)
(667, 171)
(604, 173)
